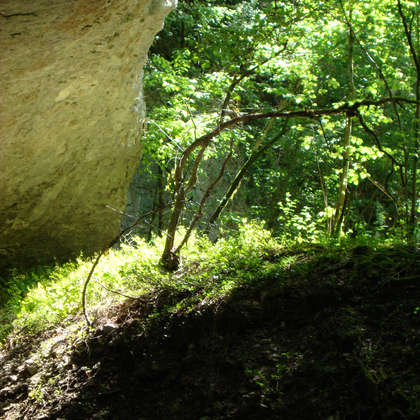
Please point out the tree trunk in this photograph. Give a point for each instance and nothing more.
(160, 200)
(343, 181)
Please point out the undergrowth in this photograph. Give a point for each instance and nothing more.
(46, 296)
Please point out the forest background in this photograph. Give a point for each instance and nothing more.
(303, 114)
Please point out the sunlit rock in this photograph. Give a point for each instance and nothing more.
(71, 119)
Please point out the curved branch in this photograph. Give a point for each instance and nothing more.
(103, 252)
(377, 141)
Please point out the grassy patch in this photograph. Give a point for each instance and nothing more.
(44, 297)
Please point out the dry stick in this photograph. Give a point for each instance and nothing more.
(116, 292)
(383, 189)
(324, 135)
(193, 122)
(168, 137)
(112, 243)
(150, 230)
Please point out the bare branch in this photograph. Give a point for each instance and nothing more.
(349, 109)
(168, 137)
(241, 173)
(192, 119)
(324, 135)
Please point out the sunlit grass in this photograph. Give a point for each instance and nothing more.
(42, 298)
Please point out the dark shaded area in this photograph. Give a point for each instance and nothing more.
(329, 335)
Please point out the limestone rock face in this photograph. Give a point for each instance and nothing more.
(71, 118)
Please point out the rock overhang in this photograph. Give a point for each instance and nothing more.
(71, 119)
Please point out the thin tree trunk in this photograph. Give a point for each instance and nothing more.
(413, 210)
(414, 193)
(160, 200)
(169, 258)
(206, 195)
(279, 193)
(343, 181)
(324, 193)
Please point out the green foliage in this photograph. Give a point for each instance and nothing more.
(299, 55)
(299, 223)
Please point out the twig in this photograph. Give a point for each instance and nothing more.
(377, 141)
(238, 79)
(193, 122)
(119, 211)
(167, 135)
(116, 291)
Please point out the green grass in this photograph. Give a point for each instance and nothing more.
(46, 296)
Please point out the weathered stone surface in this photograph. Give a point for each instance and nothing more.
(71, 117)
